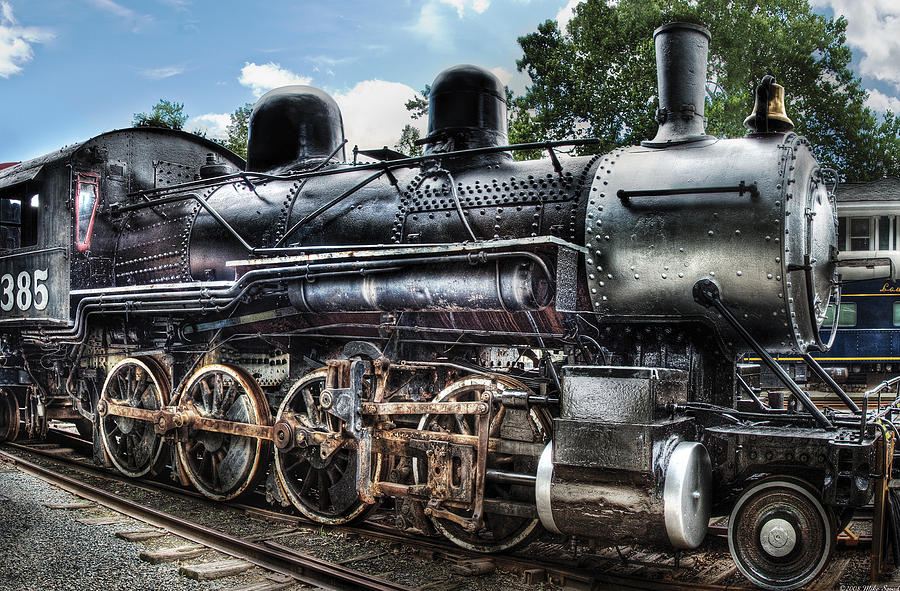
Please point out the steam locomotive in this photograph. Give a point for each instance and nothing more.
(501, 347)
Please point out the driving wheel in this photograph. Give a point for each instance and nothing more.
(223, 466)
(133, 446)
(9, 416)
(499, 532)
(323, 490)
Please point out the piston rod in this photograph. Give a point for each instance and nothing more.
(706, 293)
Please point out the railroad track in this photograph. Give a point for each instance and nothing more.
(542, 562)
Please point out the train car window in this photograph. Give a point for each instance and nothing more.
(847, 316)
(18, 220)
(884, 232)
(88, 195)
(896, 313)
(861, 231)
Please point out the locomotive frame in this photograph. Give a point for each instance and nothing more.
(501, 347)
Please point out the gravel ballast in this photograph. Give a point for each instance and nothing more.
(44, 549)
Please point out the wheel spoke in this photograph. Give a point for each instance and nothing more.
(132, 445)
(230, 464)
(462, 425)
(323, 492)
(206, 396)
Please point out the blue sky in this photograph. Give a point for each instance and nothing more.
(70, 69)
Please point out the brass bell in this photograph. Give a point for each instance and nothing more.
(775, 118)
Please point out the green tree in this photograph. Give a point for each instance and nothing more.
(407, 142)
(418, 105)
(164, 114)
(238, 131)
(598, 78)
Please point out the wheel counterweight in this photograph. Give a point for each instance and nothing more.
(133, 446)
(779, 534)
(219, 465)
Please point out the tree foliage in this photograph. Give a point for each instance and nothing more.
(418, 105)
(409, 135)
(238, 131)
(165, 113)
(598, 79)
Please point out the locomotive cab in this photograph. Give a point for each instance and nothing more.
(35, 233)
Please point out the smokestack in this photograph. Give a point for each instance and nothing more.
(681, 53)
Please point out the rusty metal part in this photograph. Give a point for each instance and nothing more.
(224, 464)
(318, 472)
(305, 569)
(172, 418)
(386, 440)
(481, 524)
(422, 408)
(134, 385)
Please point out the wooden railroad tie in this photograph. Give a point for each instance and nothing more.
(219, 569)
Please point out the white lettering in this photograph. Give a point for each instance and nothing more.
(24, 291)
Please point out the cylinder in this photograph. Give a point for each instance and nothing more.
(510, 285)
(681, 56)
(623, 506)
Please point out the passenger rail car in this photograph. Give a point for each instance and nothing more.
(501, 347)
(866, 349)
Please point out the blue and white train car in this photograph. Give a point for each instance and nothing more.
(866, 349)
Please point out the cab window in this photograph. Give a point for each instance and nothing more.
(87, 195)
(18, 219)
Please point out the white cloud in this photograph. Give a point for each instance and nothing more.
(327, 60)
(374, 112)
(431, 28)
(502, 74)
(566, 13)
(214, 125)
(880, 102)
(261, 78)
(16, 42)
(872, 28)
(133, 19)
(163, 72)
(478, 6)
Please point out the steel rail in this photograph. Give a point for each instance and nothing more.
(570, 576)
(305, 569)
